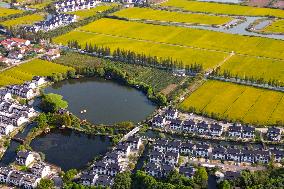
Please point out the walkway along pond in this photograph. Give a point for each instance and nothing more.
(105, 102)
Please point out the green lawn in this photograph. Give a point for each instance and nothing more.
(6, 12)
(26, 71)
(236, 102)
(219, 8)
(24, 20)
(167, 16)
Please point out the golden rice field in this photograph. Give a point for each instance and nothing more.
(24, 20)
(82, 14)
(26, 71)
(218, 8)
(237, 102)
(6, 12)
(167, 16)
(276, 27)
(257, 67)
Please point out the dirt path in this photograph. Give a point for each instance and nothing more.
(221, 63)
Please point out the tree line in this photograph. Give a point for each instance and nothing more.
(132, 57)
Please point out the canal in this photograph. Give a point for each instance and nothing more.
(105, 102)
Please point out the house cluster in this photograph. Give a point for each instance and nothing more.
(16, 49)
(12, 114)
(170, 119)
(114, 162)
(75, 5)
(27, 90)
(57, 20)
(164, 158)
(37, 170)
(162, 147)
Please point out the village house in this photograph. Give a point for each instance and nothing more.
(153, 169)
(38, 80)
(104, 180)
(5, 173)
(176, 125)
(134, 142)
(248, 156)
(159, 121)
(6, 129)
(40, 169)
(100, 167)
(262, 156)
(202, 128)
(156, 157)
(234, 154)
(216, 130)
(202, 150)
(278, 155)
(189, 126)
(187, 171)
(89, 179)
(30, 181)
(15, 178)
(174, 146)
(187, 148)
(171, 114)
(219, 153)
(113, 157)
(273, 134)
(25, 158)
(235, 131)
(248, 132)
(123, 149)
(166, 169)
(171, 158)
(113, 169)
(160, 145)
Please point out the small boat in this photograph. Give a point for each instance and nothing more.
(85, 111)
(81, 112)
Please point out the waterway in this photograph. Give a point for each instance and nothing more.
(105, 101)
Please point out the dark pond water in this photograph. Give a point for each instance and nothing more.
(70, 149)
(105, 101)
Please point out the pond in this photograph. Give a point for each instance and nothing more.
(69, 149)
(105, 101)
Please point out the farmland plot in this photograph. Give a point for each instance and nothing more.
(236, 102)
(6, 12)
(24, 20)
(26, 71)
(218, 8)
(167, 16)
(276, 27)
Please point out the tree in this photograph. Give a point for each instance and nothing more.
(53, 102)
(45, 184)
(224, 185)
(122, 181)
(201, 177)
(69, 175)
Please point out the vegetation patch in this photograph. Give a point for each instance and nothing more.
(26, 71)
(167, 16)
(234, 102)
(6, 12)
(219, 8)
(24, 20)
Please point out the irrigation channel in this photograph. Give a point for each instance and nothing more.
(105, 102)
